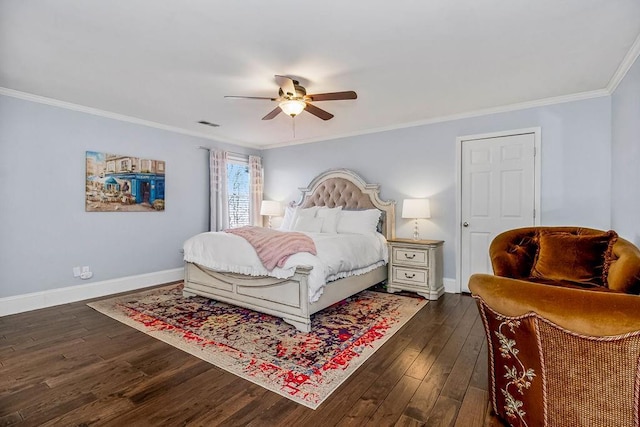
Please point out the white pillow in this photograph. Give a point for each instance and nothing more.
(359, 222)
(308, 223)
(331, 217)
(289, 214)
(307, 212)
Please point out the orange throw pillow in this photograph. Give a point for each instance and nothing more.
(574, 257)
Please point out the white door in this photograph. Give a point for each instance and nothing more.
(497, 194)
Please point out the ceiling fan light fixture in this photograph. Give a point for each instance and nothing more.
(292, 107)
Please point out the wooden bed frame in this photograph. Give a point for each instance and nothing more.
(289, 298)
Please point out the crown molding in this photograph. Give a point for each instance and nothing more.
(625, 66)
(622, 70)
(115, 116)
(477, 113)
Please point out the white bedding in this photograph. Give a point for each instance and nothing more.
(339, 255)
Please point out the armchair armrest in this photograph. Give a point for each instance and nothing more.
(581, 311)
(624, 273)
(513, 252)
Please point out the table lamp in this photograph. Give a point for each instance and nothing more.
(270, 208)
(416, 208)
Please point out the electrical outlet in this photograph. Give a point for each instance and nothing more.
(76, 272)
(86, 269)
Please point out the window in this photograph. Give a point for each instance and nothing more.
(145, 166)
(238, 192)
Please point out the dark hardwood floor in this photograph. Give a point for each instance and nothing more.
(70, 365)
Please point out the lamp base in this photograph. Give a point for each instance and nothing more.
(416, 234)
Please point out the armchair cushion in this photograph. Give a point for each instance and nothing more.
(516, 254)
(582, 258)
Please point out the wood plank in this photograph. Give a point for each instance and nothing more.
(460, 375)
(333, 409)
(253, 410)
(444, 412)
(10, 419)
(51, 368)
(154, 406)
(406, 421)
(480, 376)
(95, 412)
(391, 408)
(473, 411)
(55, 406)
(373, 397)
(424, 400)
(225, 407)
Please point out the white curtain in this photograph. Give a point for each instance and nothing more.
(218, 200)
(256, 185)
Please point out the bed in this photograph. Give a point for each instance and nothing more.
(289, 298)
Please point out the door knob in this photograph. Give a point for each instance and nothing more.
(465, 224)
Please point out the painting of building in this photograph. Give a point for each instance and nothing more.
(117, 183)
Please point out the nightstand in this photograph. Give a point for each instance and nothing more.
(416, 265)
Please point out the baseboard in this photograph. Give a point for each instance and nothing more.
(450, 286)
(33, 301)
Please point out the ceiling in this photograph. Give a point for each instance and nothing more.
(171, 62)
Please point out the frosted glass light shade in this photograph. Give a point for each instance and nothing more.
(293, 107)
(416, 208)
(270, 208)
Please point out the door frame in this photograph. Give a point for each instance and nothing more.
(537, 132)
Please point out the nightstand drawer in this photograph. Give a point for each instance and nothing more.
(408, 256)
(410, 276)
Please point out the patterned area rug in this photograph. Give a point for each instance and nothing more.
(304, 367)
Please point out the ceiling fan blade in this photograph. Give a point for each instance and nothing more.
(272, 114)
(334, 96)
(250, 97)
(286, 84)
(318, 112)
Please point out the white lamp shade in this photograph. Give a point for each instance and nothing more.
(416, 208)
(292, 107)
(270, 208)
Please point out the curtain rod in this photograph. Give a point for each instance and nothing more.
(202, 147)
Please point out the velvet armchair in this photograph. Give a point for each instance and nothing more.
(564, 346)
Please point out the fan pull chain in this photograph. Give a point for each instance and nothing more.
(293, 126)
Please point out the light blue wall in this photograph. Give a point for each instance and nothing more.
(625, 188)
(421, 162)
(44, 229)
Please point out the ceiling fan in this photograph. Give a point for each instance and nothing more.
(293, 99)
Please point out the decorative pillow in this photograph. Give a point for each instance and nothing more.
(571, 257)
(330, 216)
(299, 212)
(289, 214)
(359, 222)
(309, 224)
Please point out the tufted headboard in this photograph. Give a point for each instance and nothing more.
(342, 187)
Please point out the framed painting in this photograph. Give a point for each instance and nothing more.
(117, 183)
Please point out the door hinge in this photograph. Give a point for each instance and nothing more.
(535, 151)
(534, 213)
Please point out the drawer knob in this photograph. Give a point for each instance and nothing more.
(409, 276)
(406, 255)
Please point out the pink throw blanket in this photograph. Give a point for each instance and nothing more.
(274, 247)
